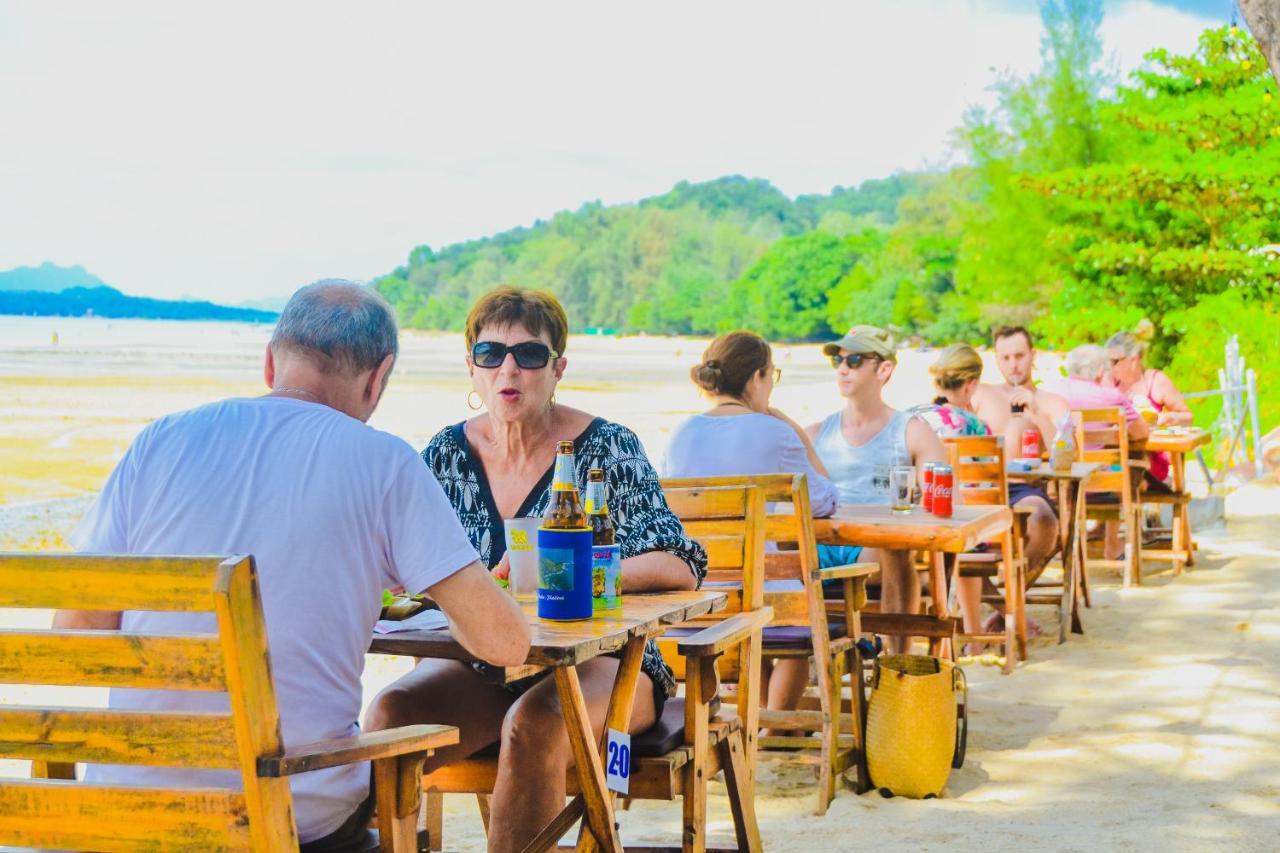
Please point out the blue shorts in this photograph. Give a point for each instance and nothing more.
(837, 555)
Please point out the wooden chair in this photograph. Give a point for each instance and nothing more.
(1102, 436)
(692, 740)
(981, 479)
(803, 623)
(54, 811)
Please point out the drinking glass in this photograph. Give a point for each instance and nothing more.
(522, 551)
(902, 487)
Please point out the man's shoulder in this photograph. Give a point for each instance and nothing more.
(1050, 393)
(989, 391)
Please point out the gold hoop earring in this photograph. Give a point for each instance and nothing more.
(551, 404)
(476, 406)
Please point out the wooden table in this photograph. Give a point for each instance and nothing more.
(1177, 442)
(1070, 487)
(561, 646)
(877, 526)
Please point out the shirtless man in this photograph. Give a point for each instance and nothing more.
(1016, 356)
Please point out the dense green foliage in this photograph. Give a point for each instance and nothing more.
(665, 265)
(1085, 205)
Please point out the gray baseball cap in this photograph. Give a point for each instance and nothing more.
(869, 339)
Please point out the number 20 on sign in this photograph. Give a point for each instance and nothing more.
(617, 761)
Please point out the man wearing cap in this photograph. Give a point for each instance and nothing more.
(860, 443)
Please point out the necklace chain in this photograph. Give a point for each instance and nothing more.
(283, 388)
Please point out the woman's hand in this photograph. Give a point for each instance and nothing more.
(502, 571)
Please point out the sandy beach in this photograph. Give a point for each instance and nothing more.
(1156, 730)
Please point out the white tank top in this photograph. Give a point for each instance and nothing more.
(861, 474)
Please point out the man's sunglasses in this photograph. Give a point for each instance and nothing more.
(853, 359)
(530, 355)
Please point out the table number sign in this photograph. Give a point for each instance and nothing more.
(617, 761)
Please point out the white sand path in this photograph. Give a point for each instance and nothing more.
(1157, 730)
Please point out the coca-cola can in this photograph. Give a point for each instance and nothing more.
(926, 486)
(1030, 444)
(943, 489)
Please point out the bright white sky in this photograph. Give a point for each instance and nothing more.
(238, 151)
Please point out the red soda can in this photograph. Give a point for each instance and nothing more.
(943, 489)
(926, 486)
(1030, 444)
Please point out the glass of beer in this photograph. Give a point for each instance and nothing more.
(902, 487)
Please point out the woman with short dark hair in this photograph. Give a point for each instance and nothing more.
(498, 465)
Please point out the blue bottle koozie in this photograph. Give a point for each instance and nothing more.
(564, 574)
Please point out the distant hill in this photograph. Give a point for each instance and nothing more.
(274, 304)
(108, 302)
(666, 264)
(48, 278)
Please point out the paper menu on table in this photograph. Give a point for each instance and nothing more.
(424, 620)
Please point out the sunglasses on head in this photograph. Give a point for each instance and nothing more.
(853, 359)
(530, 355)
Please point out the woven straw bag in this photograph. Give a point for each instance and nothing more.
(916, 724)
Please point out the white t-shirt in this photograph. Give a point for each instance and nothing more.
(332, 511)
(711, 446)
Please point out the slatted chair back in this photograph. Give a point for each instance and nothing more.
(64, 814)
(794, 590)
(1102, 436)
(782, 522)
(978, 464)
(729, 522)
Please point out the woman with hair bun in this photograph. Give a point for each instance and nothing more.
(742, 434)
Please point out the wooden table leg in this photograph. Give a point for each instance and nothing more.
(939, 647)
(1080, 535)
(1080, 577)
(1182, 513)
(597, 802)
(621, 702)
(1068, 564)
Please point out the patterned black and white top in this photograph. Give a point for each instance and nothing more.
(637, 507)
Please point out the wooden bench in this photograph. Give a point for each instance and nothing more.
(52, 810)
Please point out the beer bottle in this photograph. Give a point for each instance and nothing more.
(564, 509)
(564, 547)
(606, 557)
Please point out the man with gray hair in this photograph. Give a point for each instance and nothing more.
(332, 511)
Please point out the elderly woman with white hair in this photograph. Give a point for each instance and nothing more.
(1088, 386)
(1148, 388)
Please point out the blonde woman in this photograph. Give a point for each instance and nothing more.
(956, 375)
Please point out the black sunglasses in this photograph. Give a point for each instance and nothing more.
(853, 359)
(530, 355)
